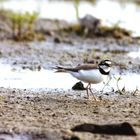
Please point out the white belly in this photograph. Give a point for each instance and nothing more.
(89, 76)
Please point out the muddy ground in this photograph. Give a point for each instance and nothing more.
(25, 114)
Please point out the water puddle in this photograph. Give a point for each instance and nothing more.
(8, 136)
(125, 13)
(27, 79)
(134, 54)
(129, 81)
(48, 79)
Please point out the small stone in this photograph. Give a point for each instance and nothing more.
(57, 40)
(90, 22)
(78, 86)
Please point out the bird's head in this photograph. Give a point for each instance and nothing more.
(105, 66)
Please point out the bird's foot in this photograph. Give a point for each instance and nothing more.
(93, 98)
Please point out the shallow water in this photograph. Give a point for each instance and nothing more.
(26, 79)
(111, 12)
(49, 80)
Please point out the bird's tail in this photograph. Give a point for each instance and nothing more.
(60, 69)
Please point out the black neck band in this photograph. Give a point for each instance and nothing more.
(103, 72)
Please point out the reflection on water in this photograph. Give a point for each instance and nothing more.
(47, 79)
(111, 12)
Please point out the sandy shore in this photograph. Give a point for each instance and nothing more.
(51, 116)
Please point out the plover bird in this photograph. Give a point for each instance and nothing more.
(89, 73)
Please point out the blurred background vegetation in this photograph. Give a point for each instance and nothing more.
(21, 24)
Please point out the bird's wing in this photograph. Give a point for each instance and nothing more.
(76, 69)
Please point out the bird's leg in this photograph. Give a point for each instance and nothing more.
(87, 87)
(109, 79)
(92, 93)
